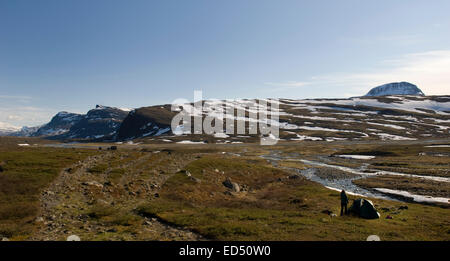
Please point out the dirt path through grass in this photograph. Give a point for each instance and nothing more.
(95, 198)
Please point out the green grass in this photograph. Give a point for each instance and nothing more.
(98, 169)
(111, 215)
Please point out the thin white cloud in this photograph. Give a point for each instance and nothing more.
(287, 84)
(430, 71)
(15, 97)
(25, 115)
(8, 127)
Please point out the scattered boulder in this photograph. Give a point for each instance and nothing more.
(93, 184)
(328, 212)
(402, 207)
(389, 217)
(196, 180)
(2, 166)
(49, 193)
(231, 185)
(298, 201)
(185, 172)
(169, 151)
(112, 148)
(364, 208)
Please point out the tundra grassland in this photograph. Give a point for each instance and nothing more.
(209, 192)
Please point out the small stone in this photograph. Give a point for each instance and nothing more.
(196, 180)
(92, 183)
(328, 212)
(373, 238)
(73, 238)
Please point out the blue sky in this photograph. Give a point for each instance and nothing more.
(71, 55)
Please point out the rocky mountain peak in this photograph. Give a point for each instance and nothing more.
(396, 88)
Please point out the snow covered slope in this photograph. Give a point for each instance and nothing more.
(59, 124)
(361, 118)
(396, 88)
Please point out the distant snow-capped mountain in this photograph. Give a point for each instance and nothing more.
(99, 123)
(7, 129)
(396, 88)
(59, 124)
(382, 114)
(25, 131)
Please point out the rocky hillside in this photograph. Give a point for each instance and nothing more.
(59, 124)
(99, 123)
(146, 121)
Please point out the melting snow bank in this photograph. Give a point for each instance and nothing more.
(190, 142)
(23, 145)
(348, 192)
(362, 157)
(438, 146)
(417, 198)
(375, 172)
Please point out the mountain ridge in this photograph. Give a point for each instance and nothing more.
(357, 118)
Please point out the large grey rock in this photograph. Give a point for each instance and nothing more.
(231, 185)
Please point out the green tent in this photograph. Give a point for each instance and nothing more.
(364, 208)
